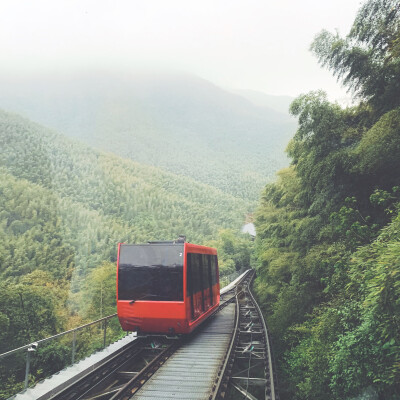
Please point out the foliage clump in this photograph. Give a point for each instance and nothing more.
(328, 229)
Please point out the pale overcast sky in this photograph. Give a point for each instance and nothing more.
(254, 44)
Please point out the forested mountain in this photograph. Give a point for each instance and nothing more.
(64, 207)
(121, 200)
(180, 123)
(328, 228)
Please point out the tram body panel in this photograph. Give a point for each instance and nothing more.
(166, 287)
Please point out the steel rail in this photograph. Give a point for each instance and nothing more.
(228, 353)
(233, 341)
(140, 379)
(270, 361)
(226, 379)
(79, 388)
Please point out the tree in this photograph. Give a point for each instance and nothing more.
(368, 59)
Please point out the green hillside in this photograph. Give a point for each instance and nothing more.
(181, 124)
(121, 199)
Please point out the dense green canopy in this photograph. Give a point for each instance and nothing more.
(328, 228)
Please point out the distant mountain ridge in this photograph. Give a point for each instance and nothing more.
(180, 123)
(280, 104)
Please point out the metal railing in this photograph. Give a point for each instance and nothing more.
(31, 347)
(227, 279)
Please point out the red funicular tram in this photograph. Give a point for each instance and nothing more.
(166, 287)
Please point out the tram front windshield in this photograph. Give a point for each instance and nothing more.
(151, 272)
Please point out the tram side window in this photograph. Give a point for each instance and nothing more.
(206, 280)
(194, 273)
(214, 278)
(201, 272)
(216, 270)
(189, 274)
(210, 279)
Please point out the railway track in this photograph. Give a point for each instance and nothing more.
(248, 372)
(128, 369)
(228, 357)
